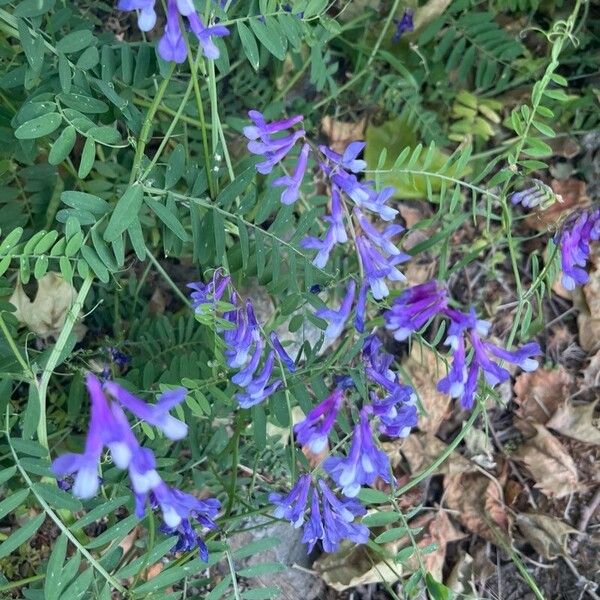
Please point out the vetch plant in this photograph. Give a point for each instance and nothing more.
(259, 215)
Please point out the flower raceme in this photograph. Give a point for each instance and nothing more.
(416, 306)
(109, 428)
(244, 342)
(172, 45)
(377, 253)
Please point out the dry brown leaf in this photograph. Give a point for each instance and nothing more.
(576, 421)
(588, 321)
(158, 302)
(591, 374)
(573, 193)
(46, 315)
(548, 535)
(538, 395)
(340, 133)
(439, 531)
(479, 501)
(550, 465)
(425, 368)
(430, 11)
(356, 565)
(422, 449)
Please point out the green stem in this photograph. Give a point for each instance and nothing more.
(15, 584)
(42, 388)
(167, 277)
(147, 125)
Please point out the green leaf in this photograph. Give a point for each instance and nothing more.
(270, 37)
(87, 158)
(11, 240)
(314, 8)
(75, 41)
(55, 581)
(115, 533)
(256, 547)
(15, 499)
(249, 45)
(175, 166)
(20, 536)
(371, 496)
(57, 498)
(168, 218)
(38, 127)
(92, 259)
(392, 534)
(379, 519)
(437, 591)
(125, 213)
(82, 201)
(169, 577)
(29, 447)
(6, 474)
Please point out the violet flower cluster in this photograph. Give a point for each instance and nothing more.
(327, 516)
(377, 253)
(574, 241)
(574, 237)
(172, 45)
(109, 428)
(244, 342)
(471, 353)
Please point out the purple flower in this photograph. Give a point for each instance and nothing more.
(539, 194)
(178, 509)
(157, 415)
(364, 463)
(147, 14)
(361, 308)
(203, 33)
(338, 517)
(336, 219)
(314, 430)
(171, 45)
(347, 160)
(85, 466)
(414, 307)
(381, 238)
(208, 293)
(330, 519)
(313, 528)
(378, 268)
(324, 247)
(336, 319)
(293, 183)
(396, 409)
(263, 130)
(239, 340)
(244, 377)
(404, 24)
(574, 243)
(454, 383)
(292, 506)
(259, 388)
(286, 359)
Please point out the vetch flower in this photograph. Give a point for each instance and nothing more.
(263, 130)
(292, 183)
(381, 238)
(208, 293)
(338, 517)
(403, 25)
(348, 160)
(364, 463)
(84, 466)
(259, 388)
(171, 45)
(239, 339)
(378, 268)
(539, 194)
(157, 415)
(574, 244)
(361, 308)
(324, 247)
(314, 430)
(336, 319)
(286, 359)
(205, 34)
(414, 307)
(146, 14)
(291, 507)
(313, 528)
